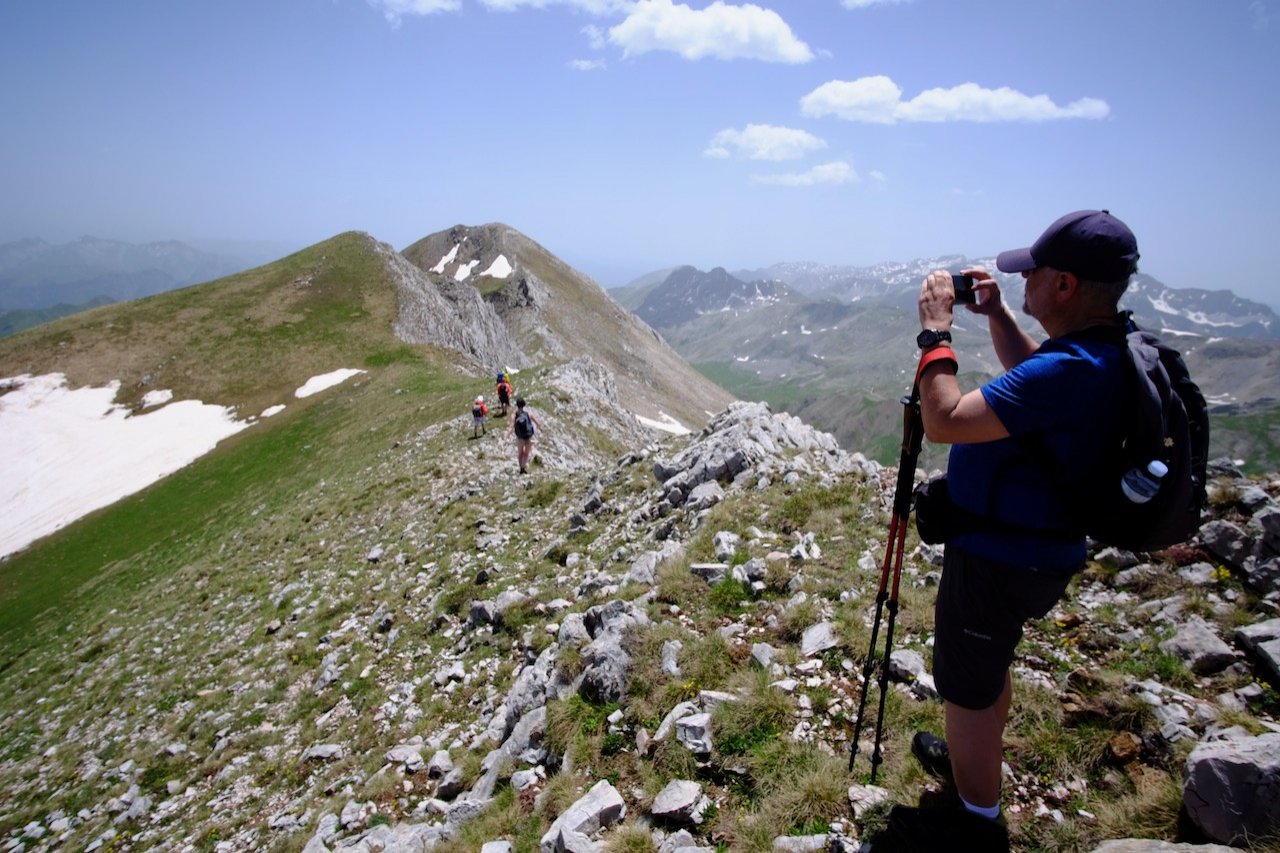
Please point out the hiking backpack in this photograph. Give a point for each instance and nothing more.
(1167, 421)
(477, 411)
(523, 426)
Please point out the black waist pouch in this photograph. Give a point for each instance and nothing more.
(935, 514)
(938, 519)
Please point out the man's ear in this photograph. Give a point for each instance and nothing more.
(1066, 285)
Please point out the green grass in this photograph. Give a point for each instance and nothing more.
(117, 551)
(746, 385)
(1253, 436)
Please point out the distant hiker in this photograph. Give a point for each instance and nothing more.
(479, 411)
(1066, 398)
(523, 426)
(504, 394)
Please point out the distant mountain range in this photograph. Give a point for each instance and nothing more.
(40, 281)
(835, 345)
(687, 292)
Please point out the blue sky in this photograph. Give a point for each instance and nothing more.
(630, 135)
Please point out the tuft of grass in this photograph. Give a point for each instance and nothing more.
(707, 661)
(509, 817)
(795, 789)
(544, 493)
(1150, 812)
(630, 838)
(761, 714)
(573, 721)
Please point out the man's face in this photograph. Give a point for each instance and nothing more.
(1036, 291)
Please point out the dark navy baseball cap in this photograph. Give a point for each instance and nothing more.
(1092, 244)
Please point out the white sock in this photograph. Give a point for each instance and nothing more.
(990, 813)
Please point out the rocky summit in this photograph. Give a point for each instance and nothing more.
(658, 651)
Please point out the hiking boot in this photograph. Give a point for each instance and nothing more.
(934, 756)
(934, 830)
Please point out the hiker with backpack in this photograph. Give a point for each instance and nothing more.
(523, 426)
(504, 394)
(479, 412)
(1030, 450)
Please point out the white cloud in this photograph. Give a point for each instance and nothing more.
(393, 10)
(595, 7)
(595, 36)
(719, 31)
(763, 142)
(877, 175)
(587, 64)
(828, 173)
(1261, 18)
(878, 100)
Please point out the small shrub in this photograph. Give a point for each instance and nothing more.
(729, 597)
(544, 494)
(613, 743)
(156, 777)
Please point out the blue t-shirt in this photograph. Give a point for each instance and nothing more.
(1068, 393)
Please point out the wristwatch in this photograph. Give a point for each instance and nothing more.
(932, 337)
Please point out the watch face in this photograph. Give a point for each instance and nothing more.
(929, 337)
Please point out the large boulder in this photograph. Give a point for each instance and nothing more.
(601, 807)
(1233, 787)
(1263, 640)
(1202, 649)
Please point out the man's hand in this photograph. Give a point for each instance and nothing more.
(989, 301)
(937, 298)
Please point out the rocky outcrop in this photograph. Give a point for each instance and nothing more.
(1233, 786)
(554, 313)
(750, 437)
(1252, 546)
(450, 314)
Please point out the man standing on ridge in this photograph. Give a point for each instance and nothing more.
(1064, 398)
(523, 425)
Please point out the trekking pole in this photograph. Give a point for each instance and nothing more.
(887, 596)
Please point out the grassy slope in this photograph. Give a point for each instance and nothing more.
(246, 341)
(1253, 436)
(116, 552)
(15, 320)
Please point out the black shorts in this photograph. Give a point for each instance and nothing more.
(981, 608)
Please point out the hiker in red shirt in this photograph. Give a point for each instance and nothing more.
(479, 411)
(504, 393)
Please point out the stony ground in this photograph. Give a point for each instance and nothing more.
(443, 652)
